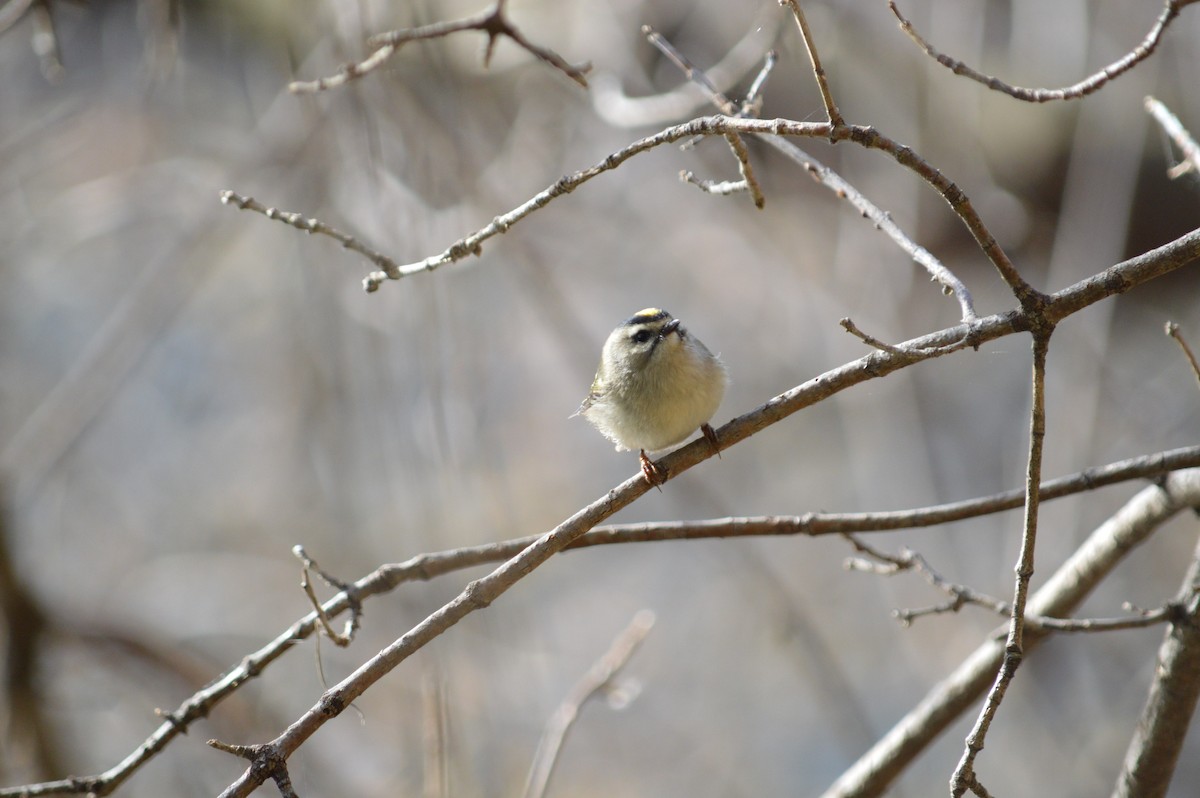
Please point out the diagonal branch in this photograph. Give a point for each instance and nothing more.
(598, 678)
(1118, 278)
(1178, 134)
(482, 592)
(1173, 331)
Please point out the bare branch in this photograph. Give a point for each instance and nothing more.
(340, 639)
(821, 173)
(882, 563)
(1173, 331)
(1179, 134)
(598, 679)
(432, 565)
(748, 182)
(266, 760)
(1116, 279)
(484, 591)
(849, 326)
(718, 187)
(299, 222)
(1158, 737)
(491, 21)
(1082, 89)
(1062, 592)
(835, 116)
(612, 104)
(964, 777)
(864, 136)
(743, 158)
(691, 71)
(752, 103)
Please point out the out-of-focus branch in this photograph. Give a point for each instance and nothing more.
(491, 21)
(598, 678)
(1081, 89)
(1173, 331)
(309, 225)
(1158, 738)
(12, 11)
(24, 628)
(1061, 594)
(1179, 134)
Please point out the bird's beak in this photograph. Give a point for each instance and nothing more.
(668, 328)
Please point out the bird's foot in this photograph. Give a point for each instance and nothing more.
(711, 437)
(655, 474)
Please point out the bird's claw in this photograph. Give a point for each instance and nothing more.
(655, 474)
(711, 436)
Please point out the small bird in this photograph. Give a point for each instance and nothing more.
(655, 385)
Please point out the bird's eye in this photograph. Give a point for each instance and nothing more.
(642, 336)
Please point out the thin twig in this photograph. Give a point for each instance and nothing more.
(1081, 89)
(598, 678)
(691, 71)
(877, 561)
(340, 639)
(748, 183)
(752, 103)
(717, 187)
(909, 560)
(964, 777)
(849, 326)
(1173, 331)
(747, 171)
(835, 116)
(491, 21)
(266, 759)
(1179, 134)
(309, 225)
(618, 108)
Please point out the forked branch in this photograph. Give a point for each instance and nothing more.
(491, 21)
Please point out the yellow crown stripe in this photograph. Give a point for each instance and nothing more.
(649, 314)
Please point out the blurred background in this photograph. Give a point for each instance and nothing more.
(189, 390)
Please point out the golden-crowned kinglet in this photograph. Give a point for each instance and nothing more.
(656, 384)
